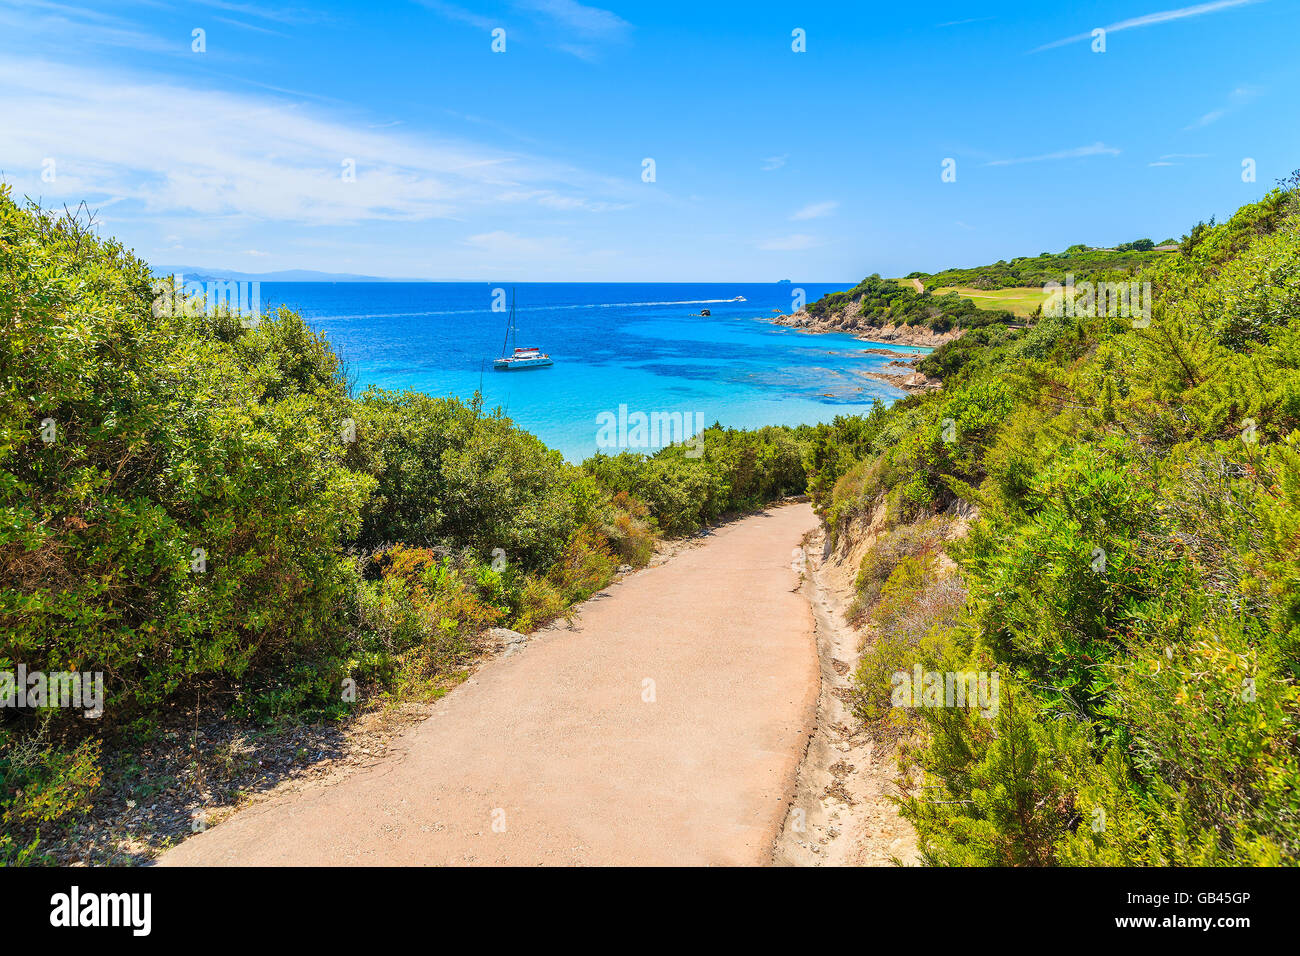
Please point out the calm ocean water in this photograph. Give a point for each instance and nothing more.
(614, 344)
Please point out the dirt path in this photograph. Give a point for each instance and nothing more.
(665, 728)
(841, 813)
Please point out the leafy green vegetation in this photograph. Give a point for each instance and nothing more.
(736, 471)
(1131, 571)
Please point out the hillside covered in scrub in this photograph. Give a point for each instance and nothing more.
(1083, 262)
(881, 302)
(1108, 518)
(889, 311)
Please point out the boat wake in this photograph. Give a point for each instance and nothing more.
(534, 308)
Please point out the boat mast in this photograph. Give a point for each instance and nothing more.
(510, 324)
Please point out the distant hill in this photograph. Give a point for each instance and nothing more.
(201, 273)
(1080, 261)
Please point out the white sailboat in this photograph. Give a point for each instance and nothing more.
(523, 357)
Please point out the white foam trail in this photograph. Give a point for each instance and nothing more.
(535, 308)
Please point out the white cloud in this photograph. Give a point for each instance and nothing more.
(588, 21)
(816, 210)
(774, 162)
(453, 12)
(1096, 149)
(1150, 19)
(43, 23)
(1238, 98)
(575, 28)
(252, 157)
(280, 15)
(1205, 120)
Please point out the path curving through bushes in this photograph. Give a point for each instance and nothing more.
(666, 727)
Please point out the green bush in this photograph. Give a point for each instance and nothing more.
(172, 489)
(447, 474)
(1134, 573)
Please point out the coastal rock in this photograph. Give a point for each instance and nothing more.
(913, 382)
(504, 636)
(850, 319)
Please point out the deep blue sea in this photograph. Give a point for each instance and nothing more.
(614, 344)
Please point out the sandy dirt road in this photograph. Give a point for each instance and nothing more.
(666, 728)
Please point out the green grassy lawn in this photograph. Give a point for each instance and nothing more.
(1019, 300)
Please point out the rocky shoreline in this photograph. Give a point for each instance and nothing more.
(913, 382)
(850, 320)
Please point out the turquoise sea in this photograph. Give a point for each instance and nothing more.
(638, 345)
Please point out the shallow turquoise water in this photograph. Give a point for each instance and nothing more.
(614, 344)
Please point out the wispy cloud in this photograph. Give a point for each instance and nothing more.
(61, 25)
(962, 23)
(1205, 120)
(1151, 19)
(591, 22)
(816, 210)
(249, 26)
(453, 12)
(1096, 149)
(572, 27)
(1238, 98)
(206, 157)
(277, 14)
(774, 162)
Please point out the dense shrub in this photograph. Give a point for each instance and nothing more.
(172, 487)
(734, 471)
(445, 473)
(1132, 575)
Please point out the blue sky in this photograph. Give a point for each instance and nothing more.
(527, 165)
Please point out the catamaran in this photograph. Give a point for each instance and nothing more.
(528, 356)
